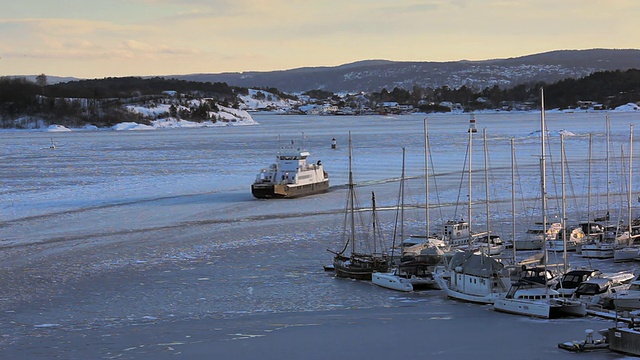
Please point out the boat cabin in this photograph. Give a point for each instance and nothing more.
(593, 287)
(457, 232)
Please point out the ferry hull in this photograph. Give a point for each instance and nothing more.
(268, 191)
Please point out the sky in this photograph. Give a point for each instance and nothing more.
(96, 38)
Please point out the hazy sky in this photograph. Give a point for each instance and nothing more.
(102, 38)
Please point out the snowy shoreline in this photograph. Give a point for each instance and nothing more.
(243, 118)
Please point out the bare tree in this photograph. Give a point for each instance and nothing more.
(41, 80)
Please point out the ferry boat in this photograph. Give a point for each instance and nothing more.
(290, 176)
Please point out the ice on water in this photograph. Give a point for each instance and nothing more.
(190, 189)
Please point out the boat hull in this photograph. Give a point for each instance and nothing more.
(597, 251)
(354, 268)
(626, 254)
(527, 308)
(529, 244)
(478, 299)
(627, 302)
(391, 281)
(268, 191)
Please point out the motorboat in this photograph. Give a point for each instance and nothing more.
(598, 291)
(532, 299)
(391, 280)
(626, 254)
(629, 299)
(490, 244)
(598, 250)
(290, 176)
(570, 281)
(573, 243)
(536, 236)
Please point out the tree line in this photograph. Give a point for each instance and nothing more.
(100, 101)
(609, 88)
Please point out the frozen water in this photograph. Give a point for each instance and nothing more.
(148, 226)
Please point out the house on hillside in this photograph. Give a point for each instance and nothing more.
(589, 105)
(452, 106)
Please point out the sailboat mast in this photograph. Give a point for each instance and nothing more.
(513, 199)
(564, 204)
(351, 200)
(486, 187)
(543, 181)
(469, 210)
(630, 174)
(543, 163)
(402, 196)
(589, 188)
(608, 124)
(373, 222)
(426, 176)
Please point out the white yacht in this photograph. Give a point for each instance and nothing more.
(537, 235)
(290, 176)
(630, 298)
(531, 299)
(490, 244)
(392, 280)
(574, 241)
(600, 245)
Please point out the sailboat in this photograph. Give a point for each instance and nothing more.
(421, 255)
(425, 254)
(565, 240)
(532, 299)
(392, 278)
(475, 276)
(358, 264)
(632, 250)
(600, 242)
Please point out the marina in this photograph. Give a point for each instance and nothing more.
(178, 247)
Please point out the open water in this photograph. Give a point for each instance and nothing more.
(116, 230)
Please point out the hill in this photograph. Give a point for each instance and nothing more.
(374, 75)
